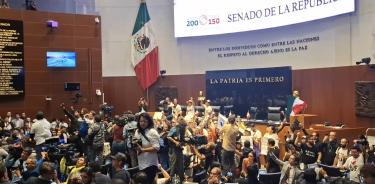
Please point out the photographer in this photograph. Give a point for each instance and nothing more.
(128, 134)
(95, 142)
(147, 140)
(118, 144)
(176, 137)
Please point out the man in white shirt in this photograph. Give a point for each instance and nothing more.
(354, 164)
(18, 122)
(176, 108)
(342, 153)
(40, 131)
(207, 108)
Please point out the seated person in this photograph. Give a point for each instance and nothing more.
(3, 174)
(118, 163)
(47, 175)
(31, 170)
(74, 170)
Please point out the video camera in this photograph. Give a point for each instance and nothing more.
(106, 109)
(56, 152)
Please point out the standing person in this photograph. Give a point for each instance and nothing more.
(342, 153)
(257, 137)
(270, 134)
(201, 98)
(176, 137)
(18, 122)
(148, 146)
(118, 163)
(328, 148)
(118, 144)
(77, 124)
(310, 152)
(176, 108)
(207, 109)
(250, 168)
(8, 124)
(40, 131)
(272, 166)
(289, 169)
(190, 111)
(229, 133)
(142, 105)
(354, 164)
(96, 140)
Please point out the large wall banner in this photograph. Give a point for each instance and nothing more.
(197, 17)
(261, 88)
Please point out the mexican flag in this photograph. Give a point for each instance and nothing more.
(144, 51)
(298, 106)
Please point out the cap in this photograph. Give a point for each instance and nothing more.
(119, 157)
(208, 101)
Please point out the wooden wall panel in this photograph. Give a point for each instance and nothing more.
(329, 92)
(41, 81)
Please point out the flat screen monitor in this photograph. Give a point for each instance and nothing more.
(61, 59)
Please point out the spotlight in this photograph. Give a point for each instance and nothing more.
(364, 61)
(52, 24)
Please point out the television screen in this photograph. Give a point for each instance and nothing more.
(61, 59)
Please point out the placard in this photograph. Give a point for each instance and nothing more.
(12, 76)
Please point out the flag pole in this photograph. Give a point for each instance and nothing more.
(147, 95)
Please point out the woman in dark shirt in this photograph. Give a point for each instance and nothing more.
(250, 168)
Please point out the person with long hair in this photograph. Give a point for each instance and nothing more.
(250, 168)
(147, 146)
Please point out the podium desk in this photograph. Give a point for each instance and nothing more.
(306, 120)
(350, 133)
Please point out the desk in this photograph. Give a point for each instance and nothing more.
(306, 120)
(350, 133)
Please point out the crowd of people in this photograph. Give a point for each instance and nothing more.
(175, 145)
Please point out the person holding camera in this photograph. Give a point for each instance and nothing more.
(147, 138)
(118, 143)
(96, 138)
(176, 137)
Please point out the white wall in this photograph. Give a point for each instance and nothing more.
(343, 40)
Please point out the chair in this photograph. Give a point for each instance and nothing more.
(269, 178)
(227, 109)
(253, 112)
(216, 109)
(274, 113)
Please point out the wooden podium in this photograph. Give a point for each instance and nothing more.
(306, 120)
